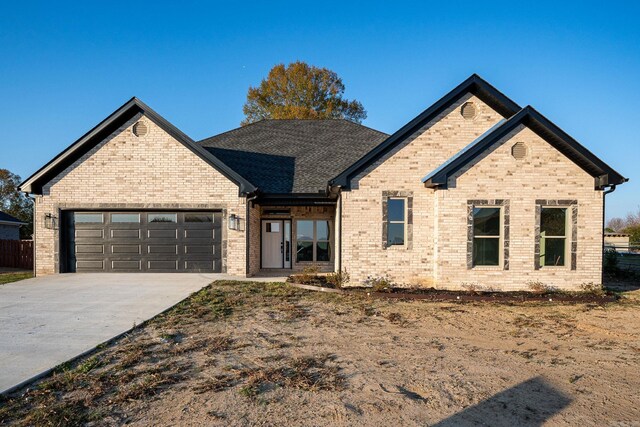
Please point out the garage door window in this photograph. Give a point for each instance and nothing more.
(125, 217)
(88, 218)
(162, 217)
(198, 217)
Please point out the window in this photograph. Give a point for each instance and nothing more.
(87, 217)
(486, 236)
(553, 236)
(162, 217)
(273, 227)
(125, 217)
(198, 217)
(396, 217)
(312, 239)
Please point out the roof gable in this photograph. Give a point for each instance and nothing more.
(603, 174)
(474, 84)
(7, 219)
(35, 182)
(293, 156)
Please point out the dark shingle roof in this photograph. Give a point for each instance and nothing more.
(293, 156)
(8, 218)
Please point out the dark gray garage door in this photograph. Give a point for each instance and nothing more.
(143, 241)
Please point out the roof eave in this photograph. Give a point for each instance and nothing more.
(604, 175)
(16, 223)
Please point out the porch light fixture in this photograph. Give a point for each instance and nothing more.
(50, 221)
(234, 222)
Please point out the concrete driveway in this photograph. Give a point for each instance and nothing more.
(48, 320)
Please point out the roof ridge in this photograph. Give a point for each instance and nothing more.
(262, 121)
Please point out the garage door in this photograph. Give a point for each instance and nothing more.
(143, 241)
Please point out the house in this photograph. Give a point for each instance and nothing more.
(474, 190)
(617, 240)
(9, 227)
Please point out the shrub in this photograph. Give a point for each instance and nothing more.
(309, 275)
(538, 287)
(611, 260)
(472, 288)
(379, 284)
(592, 288)
(338, 279)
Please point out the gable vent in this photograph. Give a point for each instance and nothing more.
(140, 129)
(519, 150)
(469, 110)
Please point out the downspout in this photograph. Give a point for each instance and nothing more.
(611, 189)
(248, 234)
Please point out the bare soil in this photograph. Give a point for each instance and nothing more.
(238, 354)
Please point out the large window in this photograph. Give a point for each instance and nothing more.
(553, 236)
(486, 236)
(396, 221)
(312, 239)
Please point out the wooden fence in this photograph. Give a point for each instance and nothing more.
(16, 254)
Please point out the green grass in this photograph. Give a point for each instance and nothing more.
(14, 277)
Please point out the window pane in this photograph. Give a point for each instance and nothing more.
(322, 251)
(198, 217)
(553, 252)
(87, 217)
(304, 230)
(486, 221)
(486, 251)
(304, 251)
(162, 217)
(395, 210)
(395, 234)
(125, 217)
(273, 227)
(322, 230)
(553, 221)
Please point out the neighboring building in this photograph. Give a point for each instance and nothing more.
(617, 240)
(474, 190)
(9, 227)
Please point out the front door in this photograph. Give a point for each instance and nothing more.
(276, 244)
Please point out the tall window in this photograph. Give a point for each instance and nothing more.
(486, 236)
(312, 239)
(396, 221)
(553, 236)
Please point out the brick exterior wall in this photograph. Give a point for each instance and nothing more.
(152, 171)
(439, 251)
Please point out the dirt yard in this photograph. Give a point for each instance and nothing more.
(239, 354)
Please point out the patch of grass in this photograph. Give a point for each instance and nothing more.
(14, 277)
(215, 384)
(301, 373)
(395, 318)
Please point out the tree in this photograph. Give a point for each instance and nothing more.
(16, 203)
(630, 225)
(300, 91)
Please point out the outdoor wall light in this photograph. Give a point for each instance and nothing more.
(234, 222)
(50, 221)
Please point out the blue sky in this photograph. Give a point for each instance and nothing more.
(64, 67)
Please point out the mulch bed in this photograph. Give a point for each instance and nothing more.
(431, 294)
